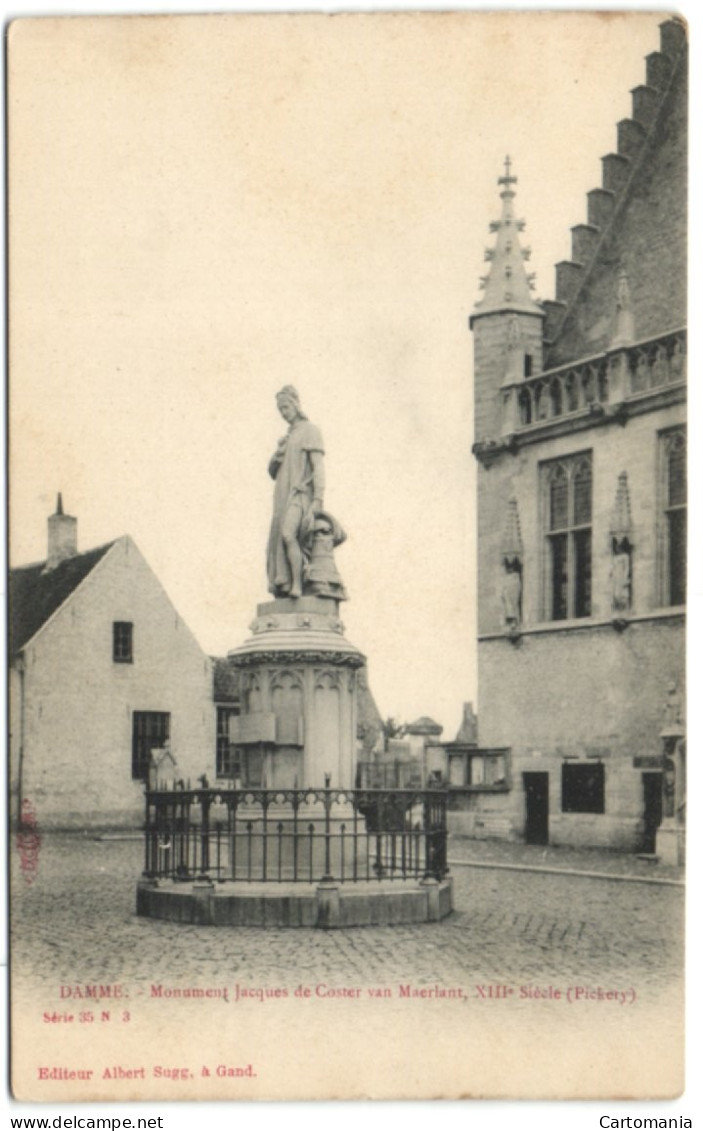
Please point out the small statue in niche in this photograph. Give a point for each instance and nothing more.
(672, 710)
(669, 787)
(320, 535)
(620, 575)
(511, 592)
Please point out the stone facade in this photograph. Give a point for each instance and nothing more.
(72, 706)
(580, 406)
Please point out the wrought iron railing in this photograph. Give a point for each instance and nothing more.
(299, 835)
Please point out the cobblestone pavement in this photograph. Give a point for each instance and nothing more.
(76, 923)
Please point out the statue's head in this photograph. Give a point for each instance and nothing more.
(288, 403)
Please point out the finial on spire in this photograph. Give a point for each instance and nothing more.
(59, 504)
(507, 179)
(507, 283)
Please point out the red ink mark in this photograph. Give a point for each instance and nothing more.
(28, 842)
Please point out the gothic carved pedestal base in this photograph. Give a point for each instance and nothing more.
(298, 688)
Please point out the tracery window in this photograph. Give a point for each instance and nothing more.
(673, 515)
(567, 507)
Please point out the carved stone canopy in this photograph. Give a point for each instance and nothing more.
(511, 548)
(621, 520)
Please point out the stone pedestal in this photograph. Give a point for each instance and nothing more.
(299, 689)
(670, 843)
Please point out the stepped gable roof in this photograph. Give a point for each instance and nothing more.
(34, 595)
(507, 285)
(636, 222)
(225, 681)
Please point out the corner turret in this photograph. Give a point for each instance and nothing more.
(507, 323)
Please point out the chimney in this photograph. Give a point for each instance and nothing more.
(63, 537)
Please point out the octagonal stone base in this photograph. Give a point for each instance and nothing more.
(326, 904)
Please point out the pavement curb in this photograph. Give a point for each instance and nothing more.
(565, 872)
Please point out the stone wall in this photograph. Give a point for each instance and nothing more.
(583, 694)
(633, 449)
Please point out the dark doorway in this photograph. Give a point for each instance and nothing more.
(536, 808)
(652, 789)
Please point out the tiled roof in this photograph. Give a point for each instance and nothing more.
(34, 595)
(423, 725)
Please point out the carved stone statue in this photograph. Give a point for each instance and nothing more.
(298, 467)
(669, 787)
(319, 538)
(511, 592)
(620, 576)
(672, 709)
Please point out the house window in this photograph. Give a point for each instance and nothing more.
(227, 759)
(567, 504)
(583, 787)
(150, 731)
(674, 490)
(122, 641)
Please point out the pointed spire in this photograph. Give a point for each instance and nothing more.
(507, 285)
(59, 504)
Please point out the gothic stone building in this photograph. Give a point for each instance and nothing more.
(581, 447)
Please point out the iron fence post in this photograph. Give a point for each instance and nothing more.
(328, 830)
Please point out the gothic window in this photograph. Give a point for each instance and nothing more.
(525, 407)
(673, 517)
(567, 507)
(122, 642)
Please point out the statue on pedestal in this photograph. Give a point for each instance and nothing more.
(302, 534)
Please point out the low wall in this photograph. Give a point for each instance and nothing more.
(325, 905)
